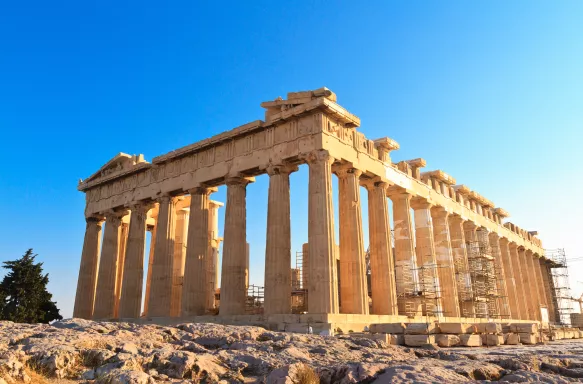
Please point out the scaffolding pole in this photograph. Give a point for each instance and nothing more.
(560, 287)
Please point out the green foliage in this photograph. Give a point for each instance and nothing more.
(23, 292)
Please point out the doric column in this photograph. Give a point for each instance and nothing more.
(234, 271)
(194, 296)
(546, 278)
(88, 270)
(445, 264)
(532, 284)
(130, 303)
(382, 267)
(178, 264)
(107, 276)
(426, 262)
(123, 239)
(322, 280)
(305, 265)
(461, 265)
(405, 265)
(161, 285)
(502, 293)
(353, 290)
(278, 245)
(519, 269)
(525, 279)
(510, 278)
(539, 282)
(152, 230)
(212, 265)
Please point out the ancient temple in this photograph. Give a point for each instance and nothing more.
(451, 254)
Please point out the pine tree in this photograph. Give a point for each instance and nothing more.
(23, 292)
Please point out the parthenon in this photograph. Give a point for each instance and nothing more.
(451, 253)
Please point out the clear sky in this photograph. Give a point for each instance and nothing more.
(489, 91)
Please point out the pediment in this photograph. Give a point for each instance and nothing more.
(119, 164)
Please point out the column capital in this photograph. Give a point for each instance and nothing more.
(420, 203)
(166, 197)
(238, 180)
(454, 218)
(529, 252)
(95, 219)
(396, 193)
(439, 211)
(117, 214)
(141, 205)
(470, 225)
(202, 190)
(319, 155)
(493, 236)
(343, 170)
(376, 183)
(282, 168)
(513, 246)
(504, 241)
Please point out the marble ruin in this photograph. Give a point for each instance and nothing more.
(451, 254)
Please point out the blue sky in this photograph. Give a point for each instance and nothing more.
(489, 91)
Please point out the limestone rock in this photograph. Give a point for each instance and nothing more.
(420, 329)
(456, 328)
(392, 328)
(447, 340)
(470, 340)
(524, 327)
(419, 340)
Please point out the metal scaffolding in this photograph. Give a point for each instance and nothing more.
(485, 276)
(255, 300)
(299, 286)
(561, 290)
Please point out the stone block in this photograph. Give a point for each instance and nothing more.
(524, 327)
(489, 327)
(445, 340)
(528, 338)
(419, 340)
(398, 339)
(420, 329)
(392, 328)
(470, 340)
(511, 339)
(492, 340)
(457, 328)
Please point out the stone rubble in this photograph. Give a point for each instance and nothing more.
(84, 351)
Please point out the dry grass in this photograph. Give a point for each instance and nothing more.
(306, 375)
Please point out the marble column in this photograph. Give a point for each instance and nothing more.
(130, 303)
(532, 284)
(234, 271)
(519, 269)
(426, 262)
(123, 239)
(161, 286)
(85, 295)
(278, 242)
(510, 279)
(382, 267)
(502, 291)
(305, 265)
(353, 290)
(545, 273)
(462, 268)
(178, 263)
(194, 295)
(445, 264)
(212, 265)
(405, 264)
(540, 283)
(107, 276)
(525, 277)
(152, 230)
(322, 278)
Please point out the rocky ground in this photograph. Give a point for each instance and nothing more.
(80, 351)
